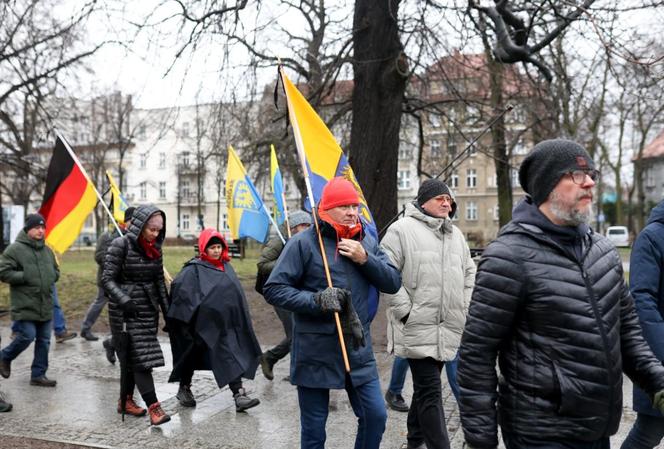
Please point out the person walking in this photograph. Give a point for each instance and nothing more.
(428, 313)
(551, 304)
(298, 221)
(209, 324)
(133, 279)
(100, 301)
(30, 269)
(646, 282)
(298, 283)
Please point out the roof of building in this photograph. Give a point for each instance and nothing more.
(654, 148)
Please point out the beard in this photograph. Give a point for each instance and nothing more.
(571, 215)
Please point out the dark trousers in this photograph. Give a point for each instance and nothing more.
(515, 441)
(647, 433)
(283, 348)
(368, 405)
(426, 417)
(26, 333)
(194, 356)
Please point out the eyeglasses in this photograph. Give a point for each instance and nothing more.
(579, 176)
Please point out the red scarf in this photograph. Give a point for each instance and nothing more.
(151, 252)
(218, 263)
(343, 231)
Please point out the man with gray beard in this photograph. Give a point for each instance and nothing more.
(551, 303)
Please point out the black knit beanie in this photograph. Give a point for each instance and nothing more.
(32, 221)
(548, 161)
(431, 188)
(214, 241)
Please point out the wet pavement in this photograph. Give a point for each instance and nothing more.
(82, 408)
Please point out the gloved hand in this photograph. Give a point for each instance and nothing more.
(658, 401)
(331, 299)
(351, 324)
(129, 308)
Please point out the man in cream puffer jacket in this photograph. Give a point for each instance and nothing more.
(427, 315)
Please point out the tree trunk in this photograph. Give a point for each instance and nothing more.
(380, 74)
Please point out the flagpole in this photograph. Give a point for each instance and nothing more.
(274, 223)
(283, 199)
(85, 173)
(300, 150)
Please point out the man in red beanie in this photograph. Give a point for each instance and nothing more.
(298, 283)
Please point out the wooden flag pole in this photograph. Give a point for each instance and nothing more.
(303, 162)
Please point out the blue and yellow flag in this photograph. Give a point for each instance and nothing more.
(277, 188)
(118, 203)
(324, 157)
(247, 217)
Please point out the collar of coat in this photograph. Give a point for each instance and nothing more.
(443, 225)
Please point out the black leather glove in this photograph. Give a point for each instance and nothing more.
(129, 308)
(351, 325)
(331, 299)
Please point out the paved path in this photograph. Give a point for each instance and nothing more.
(81, 409)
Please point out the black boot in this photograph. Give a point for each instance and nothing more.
(185, 396)
(244, 402)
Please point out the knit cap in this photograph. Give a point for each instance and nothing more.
(431, 188)
(32, 221)
(548, 161)
(298, 217)
(338, 192)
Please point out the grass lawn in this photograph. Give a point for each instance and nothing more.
(77, 286)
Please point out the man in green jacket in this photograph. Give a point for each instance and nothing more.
(30, 269)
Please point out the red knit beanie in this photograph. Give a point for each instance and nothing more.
(338, 192)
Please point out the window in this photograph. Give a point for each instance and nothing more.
(454, 180)
(472, 151)
(185, 129)
(492, 181)
(404, 180)
(185, 222)
(434, 119)
(143, 190)
(496, 213)
(141, 132)
(471, 211)
(162, 189)
(471, 178)
(514, 177)
(650, 178)
(405, 153)
(451, 147)
(143, 158)
(162, 160)
(520, 147)
(184, 189)
(224, 222)
(435, 148)
(185, 159)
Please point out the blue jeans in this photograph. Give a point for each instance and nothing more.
(400, 368)
(94, 311)
(26, 333)
(368, 406)
(59, 323)
(647, 433)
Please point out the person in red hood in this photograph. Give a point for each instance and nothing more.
(209, 324)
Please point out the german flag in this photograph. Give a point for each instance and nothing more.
(68, 200)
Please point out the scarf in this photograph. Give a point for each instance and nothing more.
(343, 231)
(151, 251)
(217, 263)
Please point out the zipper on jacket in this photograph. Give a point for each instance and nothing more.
(442, 298)
(605, 339)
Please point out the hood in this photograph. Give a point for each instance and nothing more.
(205, 237)
(657, 214)
(435, 223)
(22, 237)
(140, 218)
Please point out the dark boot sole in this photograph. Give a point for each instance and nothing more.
(247, 407)
(39, 384)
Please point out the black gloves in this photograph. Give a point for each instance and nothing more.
(351, 325)
(658, 401)
(331, 299)
(129, 308)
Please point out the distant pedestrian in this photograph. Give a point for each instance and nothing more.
(209, 324)
(30, 269)
(100, 301)
(646, 282)
(298, 221)
(133, 280)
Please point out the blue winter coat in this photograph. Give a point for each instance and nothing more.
(646, 282)
(316, 360)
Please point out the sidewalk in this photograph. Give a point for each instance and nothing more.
(81, 409)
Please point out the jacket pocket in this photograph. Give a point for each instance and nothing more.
(564, 395)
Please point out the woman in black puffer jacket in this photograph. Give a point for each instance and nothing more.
(133, 279)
